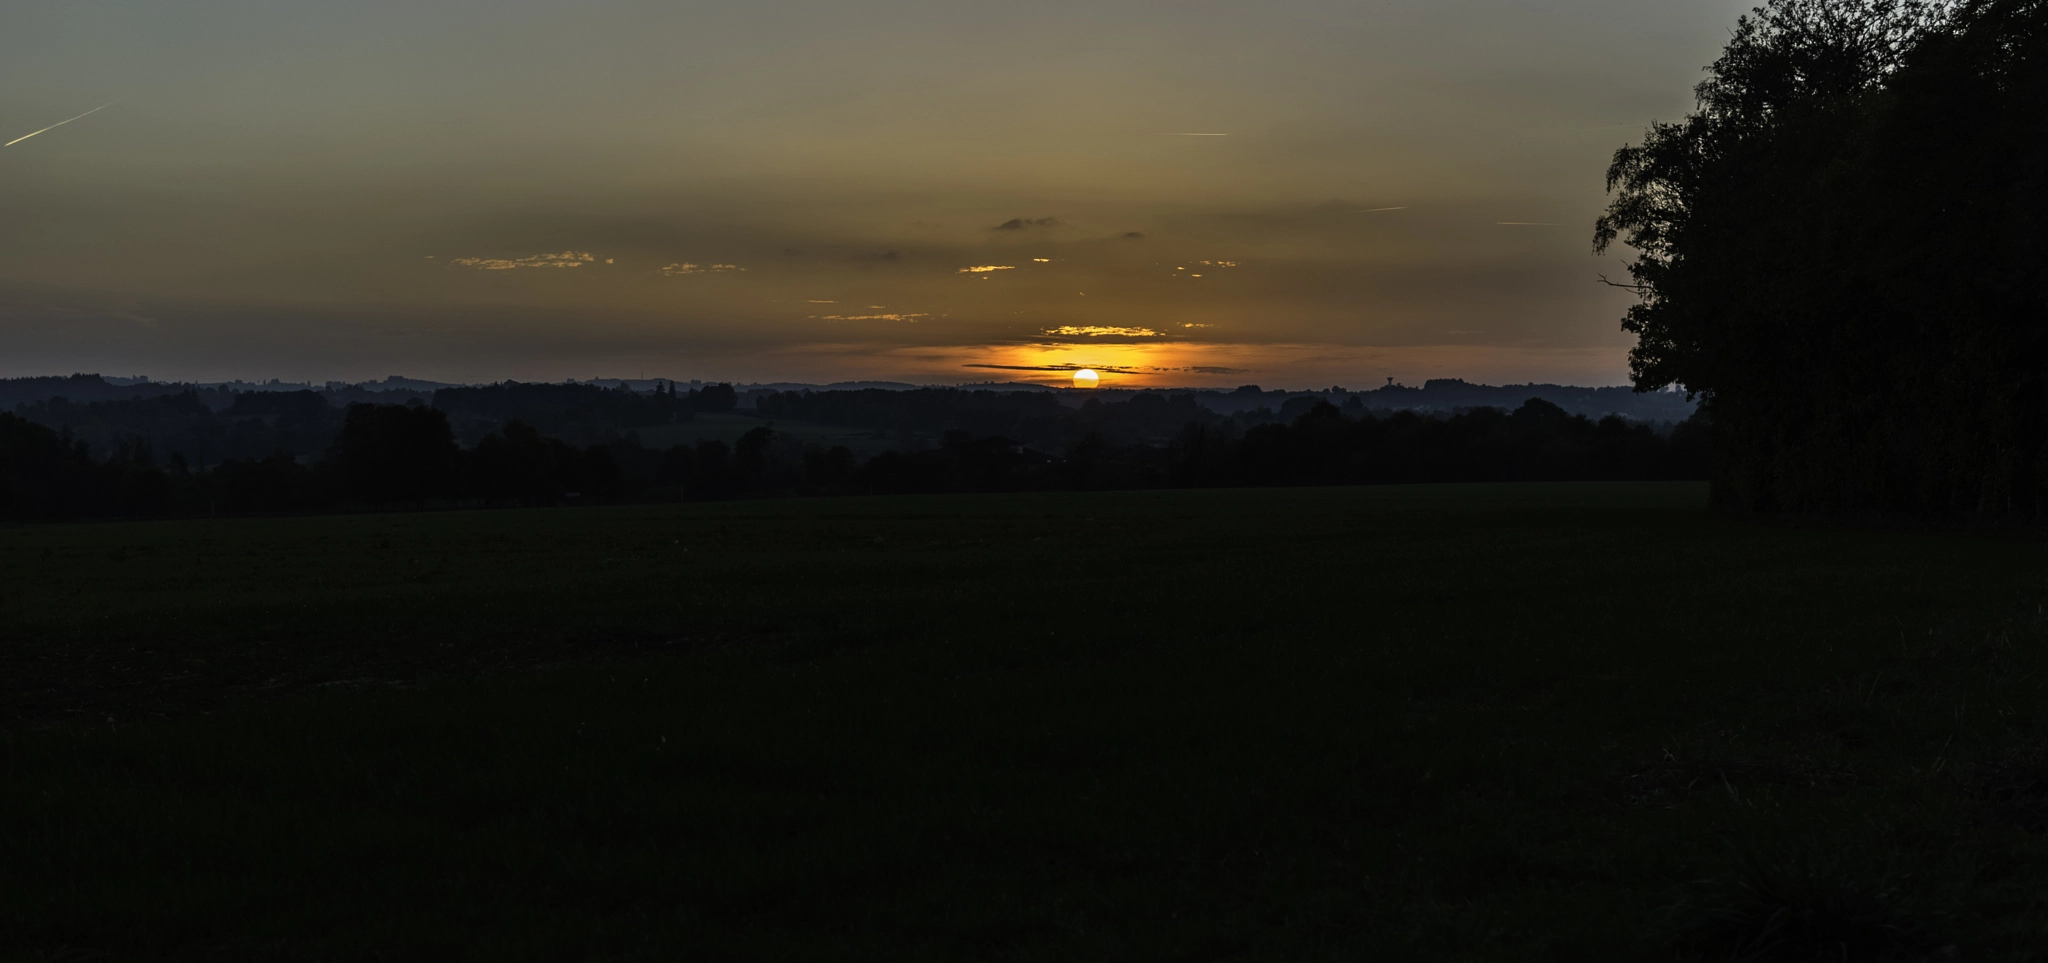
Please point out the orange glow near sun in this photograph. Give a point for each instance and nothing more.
(1161, 363)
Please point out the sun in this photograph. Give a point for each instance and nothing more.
(1086, 378)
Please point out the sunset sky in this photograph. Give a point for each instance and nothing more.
(1289, 193)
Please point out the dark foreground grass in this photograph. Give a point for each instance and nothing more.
(1479, 722)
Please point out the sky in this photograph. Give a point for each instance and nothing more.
(1293, 193)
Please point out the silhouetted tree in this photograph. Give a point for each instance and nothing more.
(518, 464)
(718, 397)
(828, 469)
(1841, 252)
(598, 475)
(712, 474)
(677, 466)
(394, 453)
(270, 485)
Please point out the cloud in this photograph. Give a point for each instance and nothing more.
(1191, 324)
(1218, 263)
(1020, 223)
(985, 268)
(1060, 367)
(1134, 235)
(1111, 369)
(911, 317)
(566, 259)
(1097, 331)
(685, 267)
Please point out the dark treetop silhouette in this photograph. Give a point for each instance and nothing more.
(1844, 252)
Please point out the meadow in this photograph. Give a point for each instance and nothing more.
(1518, 721)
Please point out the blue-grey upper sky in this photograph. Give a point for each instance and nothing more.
(1293, 192)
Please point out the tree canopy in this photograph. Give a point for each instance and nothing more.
(1841, 251)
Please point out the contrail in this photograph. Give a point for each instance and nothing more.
(1376, 210)
(1183, 133)
(60, 123)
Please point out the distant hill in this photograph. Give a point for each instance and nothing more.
(79, 387)
(396, 383)
(1447, 394)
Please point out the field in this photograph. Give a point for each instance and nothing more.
(1445, 722)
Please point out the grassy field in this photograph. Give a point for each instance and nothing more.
(1450, 722)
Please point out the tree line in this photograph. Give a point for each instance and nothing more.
(204, 427)
(408, 456)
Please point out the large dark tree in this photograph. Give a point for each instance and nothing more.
(394, 453)
(1842, 252)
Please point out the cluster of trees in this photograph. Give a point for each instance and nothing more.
(1039, 419)
(581, 412)
(1537, 442)
(187, 425)
(379, 456)
(408, 456)
(43, 475)
(1842, 252)
(92, 387)
(1042, 420)
(1323, 445)
(206, 426)
(1015, 414)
